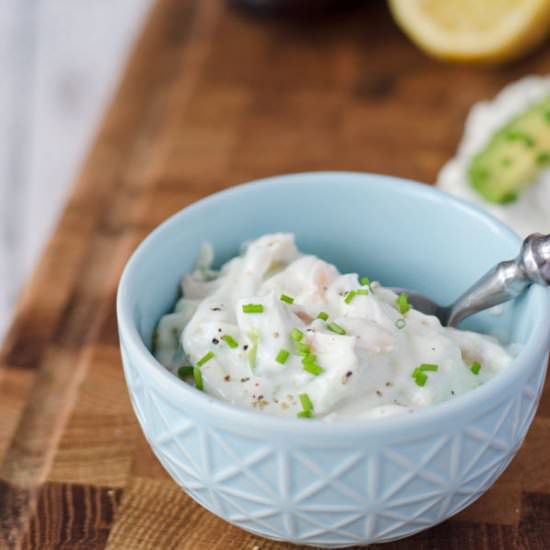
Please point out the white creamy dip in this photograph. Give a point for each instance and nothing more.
(369, 358)
(530, 213)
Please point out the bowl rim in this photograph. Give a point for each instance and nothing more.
(131, 341)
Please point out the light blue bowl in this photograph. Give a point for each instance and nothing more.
(355, 481)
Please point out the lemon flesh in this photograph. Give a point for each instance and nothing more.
(474, 30)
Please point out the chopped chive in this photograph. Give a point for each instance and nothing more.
(313, 368)
(302, 348)
(230, 341)
(282, 356)
(309, 358)
(197, 375)
(186, 370)
(287, 299)
(296, 334)
(307, 406)
(420, 378)
(336, 328)
(253, 351)
(419, 373)
(543, 157)
(323, 315)
(205, 358)
(400, 324)
(362, 292)
(350, 296)
(402, 301)
(364, 281)
(253, 308)
(428, 367)
(305, 401)
(475, 367)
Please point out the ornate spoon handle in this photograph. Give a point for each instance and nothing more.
(506, 280)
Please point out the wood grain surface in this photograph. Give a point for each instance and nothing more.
(210, 99)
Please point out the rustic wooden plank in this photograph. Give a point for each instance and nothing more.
(97, 444)
(27, 458)
(66, 302)
(535, 521)
(71, 516)
(15, 386)
(182, 525)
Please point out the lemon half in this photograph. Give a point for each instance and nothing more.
(474, 30)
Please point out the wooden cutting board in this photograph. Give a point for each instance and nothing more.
(210, 99)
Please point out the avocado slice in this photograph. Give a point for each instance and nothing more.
(514, 156)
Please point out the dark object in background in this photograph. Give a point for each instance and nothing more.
(299, 8)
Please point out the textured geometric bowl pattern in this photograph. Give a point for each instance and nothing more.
(329, 495)
(350, 482)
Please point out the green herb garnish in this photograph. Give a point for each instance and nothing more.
(197, 375)
(253, 351)
(402, 301)
(282, 356)
(287, 299)
(420, 378)
(350, 296)
(296, 334)
(323, 315)
(302, 349)
(353, 293)
(429, 367)
(205, 358)
(313, 368)
(307, 406)
(419, 374)
(336, 328)
(475, 367)
(230, 341)
(186, 370)
(364, 281)
(253, 308)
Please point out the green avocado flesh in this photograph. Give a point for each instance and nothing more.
(517, 152)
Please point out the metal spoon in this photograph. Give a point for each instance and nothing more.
(504, 282)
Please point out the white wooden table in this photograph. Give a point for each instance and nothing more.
(59, 63)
